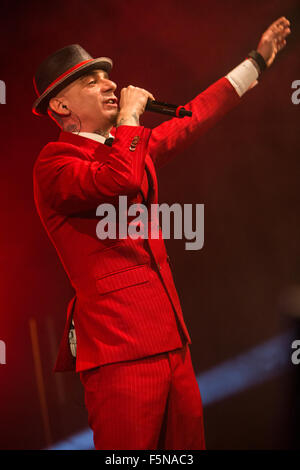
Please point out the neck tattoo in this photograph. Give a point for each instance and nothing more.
(103, 133)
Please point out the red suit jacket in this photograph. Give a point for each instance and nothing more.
(126, 305)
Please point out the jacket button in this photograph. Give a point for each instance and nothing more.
(159, 266)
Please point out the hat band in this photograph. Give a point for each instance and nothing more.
(61, 76)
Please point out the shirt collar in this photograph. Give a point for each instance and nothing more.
(93, 136)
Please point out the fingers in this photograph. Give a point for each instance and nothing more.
(280, 39)
(283, 21)
(274, 39)
(134, 100)
(146, 93)
(281, 27)
(278, 32)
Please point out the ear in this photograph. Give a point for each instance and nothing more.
(59, 107)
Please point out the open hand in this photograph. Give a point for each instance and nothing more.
(273, 39)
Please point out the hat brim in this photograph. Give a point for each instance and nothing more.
(40, 105)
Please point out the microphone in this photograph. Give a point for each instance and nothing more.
(166, 108)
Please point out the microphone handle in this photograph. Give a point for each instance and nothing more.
(166, 108)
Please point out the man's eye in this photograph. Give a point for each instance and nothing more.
(93, 81)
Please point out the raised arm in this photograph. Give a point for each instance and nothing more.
(175, 135)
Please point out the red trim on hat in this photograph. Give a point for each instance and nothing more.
(61, 76)
(35, 87)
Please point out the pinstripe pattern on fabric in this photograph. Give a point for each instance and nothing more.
(71, 178)
(150, 403)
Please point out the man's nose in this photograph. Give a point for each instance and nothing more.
(109, 85)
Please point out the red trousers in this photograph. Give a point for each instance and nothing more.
(150, 403)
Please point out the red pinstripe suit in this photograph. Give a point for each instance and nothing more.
(126, 305)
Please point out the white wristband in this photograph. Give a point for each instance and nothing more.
(243, 77)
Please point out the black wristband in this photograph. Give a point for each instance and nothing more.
(258, 59)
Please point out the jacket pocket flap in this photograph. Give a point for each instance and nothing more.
(129, 277)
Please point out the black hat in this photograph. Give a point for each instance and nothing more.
(60, 69)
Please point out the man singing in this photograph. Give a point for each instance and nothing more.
(132, 349)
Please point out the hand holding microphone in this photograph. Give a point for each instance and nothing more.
(134, 101)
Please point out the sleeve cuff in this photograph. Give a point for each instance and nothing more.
(243, 77)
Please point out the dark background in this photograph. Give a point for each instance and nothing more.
(246, 171)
